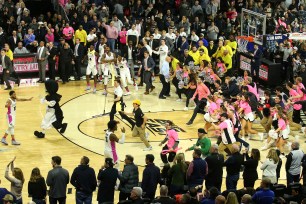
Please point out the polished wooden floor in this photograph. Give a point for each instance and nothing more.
(85, 132)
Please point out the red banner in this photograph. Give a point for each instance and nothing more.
(263, 72)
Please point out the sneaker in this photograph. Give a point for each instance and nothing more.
(127, 93)
(189, 123)
(3, 140)
(94, 90)
(87, 88)
(104, 92)
(147, 148)
(14, 142)
(147, 134)
(303, 130)
(186, 109)
(179, 100)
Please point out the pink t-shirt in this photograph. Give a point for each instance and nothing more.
(122, 35)
(219, 101)
(202, 91)
(49, 38)
(246, 107)
(293, 92)
(212, 107)
(68, 33)
(299, 88)
(172, 138)
(282, 124)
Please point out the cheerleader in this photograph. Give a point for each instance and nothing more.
(125, 74)
(212, 115)
(220, 68)
(184, 80)
(295, 96)
(283, 131)
(248, 116)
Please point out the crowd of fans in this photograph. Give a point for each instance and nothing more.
(193, 45)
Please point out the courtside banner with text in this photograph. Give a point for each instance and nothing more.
(25, 63)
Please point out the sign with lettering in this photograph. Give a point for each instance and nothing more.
(263, 72)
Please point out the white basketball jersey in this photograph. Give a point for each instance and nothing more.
(109, 145)
(91, 57)
(11, 110)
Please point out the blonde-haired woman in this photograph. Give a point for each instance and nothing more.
(37, 187)
(269, 166)
(17, 180)
(231, 198)
(178, 174)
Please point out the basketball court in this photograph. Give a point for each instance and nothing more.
(85, 132)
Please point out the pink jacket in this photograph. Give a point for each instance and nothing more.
(68, 33)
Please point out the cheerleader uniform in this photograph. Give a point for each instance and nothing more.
(284, 129)
(248, 114)
(211, 109)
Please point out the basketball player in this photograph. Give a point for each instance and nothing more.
(125, 74)
(139, 125)
(100, 50)
(108, 59)
(91, 68)
(11, 117)
(110, 141)
(118, 99)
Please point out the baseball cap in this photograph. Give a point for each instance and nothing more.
(201, 130)
(8, 197)
(137, 101)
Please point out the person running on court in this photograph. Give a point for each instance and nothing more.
(139, 126)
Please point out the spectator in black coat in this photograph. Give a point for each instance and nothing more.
(250, 174)
(211, 48)
(52, 52)
(215, 168)
(231, 89)
(78, 55)
(37, 188)
(13, 40)
(66, 58)
(233, 165)
(84, 180)
(107, 178)
(150, 177)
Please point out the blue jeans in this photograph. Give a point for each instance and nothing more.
(82, 198)
(19, 201)
(231, 182)
(111, 42)
(292, 178)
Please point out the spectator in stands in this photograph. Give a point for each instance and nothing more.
(136, 196)
(84, 180)
(81, 34)
(42, 55)
(293, 163)
(264, 195)
(129, 178)
(220, 199)
(210, 195)
(163, 198)
(32, 47)
(215, 168)
(183, 46)
(4, 192)
(178, 175)
(269, 166)
(233, 164)
(49, 37)
(250, 174)
(17, 180)
(8, 199)
(197, 169)
(29, 38)
(20, 49)
(150, 177)
(246, 199)
(2, 38)
(132, 35)
(111, 34)
(52, 52)
(65, 60)
(57, 180)
(37, 188)
(14, 40)
(107, 178)
(231, 198)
